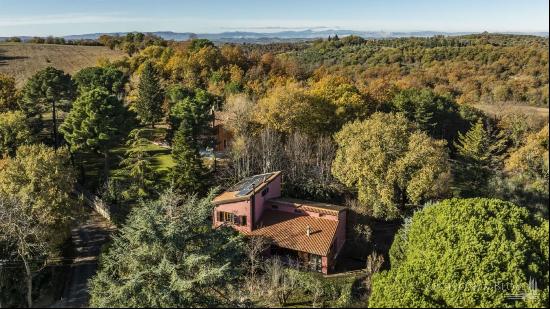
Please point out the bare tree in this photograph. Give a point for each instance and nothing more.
(22, 231)
(374, 264)
(237, 113)
(279, 281)
(255, 247)
(270, 151)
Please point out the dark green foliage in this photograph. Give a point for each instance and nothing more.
(187, 175)
(479, 154)
(93, 77)
(168, 255)
(437, 115)
(94, 123)
(467, 253)
(49, 89)
(136, 168)
(194, 111)
(197, 44)
(148, 105)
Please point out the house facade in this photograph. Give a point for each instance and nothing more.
(310, 233)
(221, 134)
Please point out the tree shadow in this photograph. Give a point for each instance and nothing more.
(4, 58)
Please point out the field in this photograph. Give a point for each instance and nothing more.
(22, 60)
(535, 114)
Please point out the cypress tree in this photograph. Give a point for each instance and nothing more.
(187, 175)
(150, 96)
(137, 167)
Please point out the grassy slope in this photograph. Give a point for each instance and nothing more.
(22, 60)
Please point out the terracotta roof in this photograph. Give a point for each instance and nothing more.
(317, 207)
(232, 194)
(288, 230)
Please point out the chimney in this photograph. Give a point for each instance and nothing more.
(308, 230)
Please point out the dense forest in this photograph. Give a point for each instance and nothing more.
(388, 128)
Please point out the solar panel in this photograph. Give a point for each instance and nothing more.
(248, 184)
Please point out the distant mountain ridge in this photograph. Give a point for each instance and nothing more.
(288, 35)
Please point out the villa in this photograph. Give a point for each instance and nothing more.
(310, 233)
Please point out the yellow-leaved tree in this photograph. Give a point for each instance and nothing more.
(392, 165)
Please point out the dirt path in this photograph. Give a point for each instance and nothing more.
(88, 238)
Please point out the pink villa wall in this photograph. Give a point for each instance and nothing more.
(241, 208)
(324, 265)
(341, 231)
(260, 201)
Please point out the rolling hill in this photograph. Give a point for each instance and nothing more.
(23, 60)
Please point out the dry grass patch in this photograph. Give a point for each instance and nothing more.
(22, 60)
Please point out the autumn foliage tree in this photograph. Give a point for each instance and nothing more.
(14, 132)
(391, 164)
(8, 94)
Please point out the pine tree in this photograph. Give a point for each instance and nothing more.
(150, 96)
(479, 153)
(49, 89)
(94, 123)
(424, 117)
(187, 175)
(137, 167)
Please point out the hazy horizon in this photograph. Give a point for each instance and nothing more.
(65, 17)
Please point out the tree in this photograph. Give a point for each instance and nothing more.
(150, 96)
(478, 154)
(437, 115)
(48, 89)
(36, 208)
(94, 123)
(24, 237)
(188, 173)
(530, 161)
(14, 131)
(290, 108)
(526, 174)
(467, 253)
(346, 100)
(194, 112)
(391, 164)
(8, 94)
(107, 77)
(168, 255)
(42, 180)
(137, 167)
(238, 113)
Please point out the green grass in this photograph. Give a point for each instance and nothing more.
(161, 159)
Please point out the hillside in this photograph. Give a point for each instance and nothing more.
(23, 60)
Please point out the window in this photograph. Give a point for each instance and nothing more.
(228, 217)
(298, 211)
(265, 191)
(274, 206)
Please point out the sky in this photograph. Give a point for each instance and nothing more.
(64, 17)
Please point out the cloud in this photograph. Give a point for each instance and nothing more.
(68, 19)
